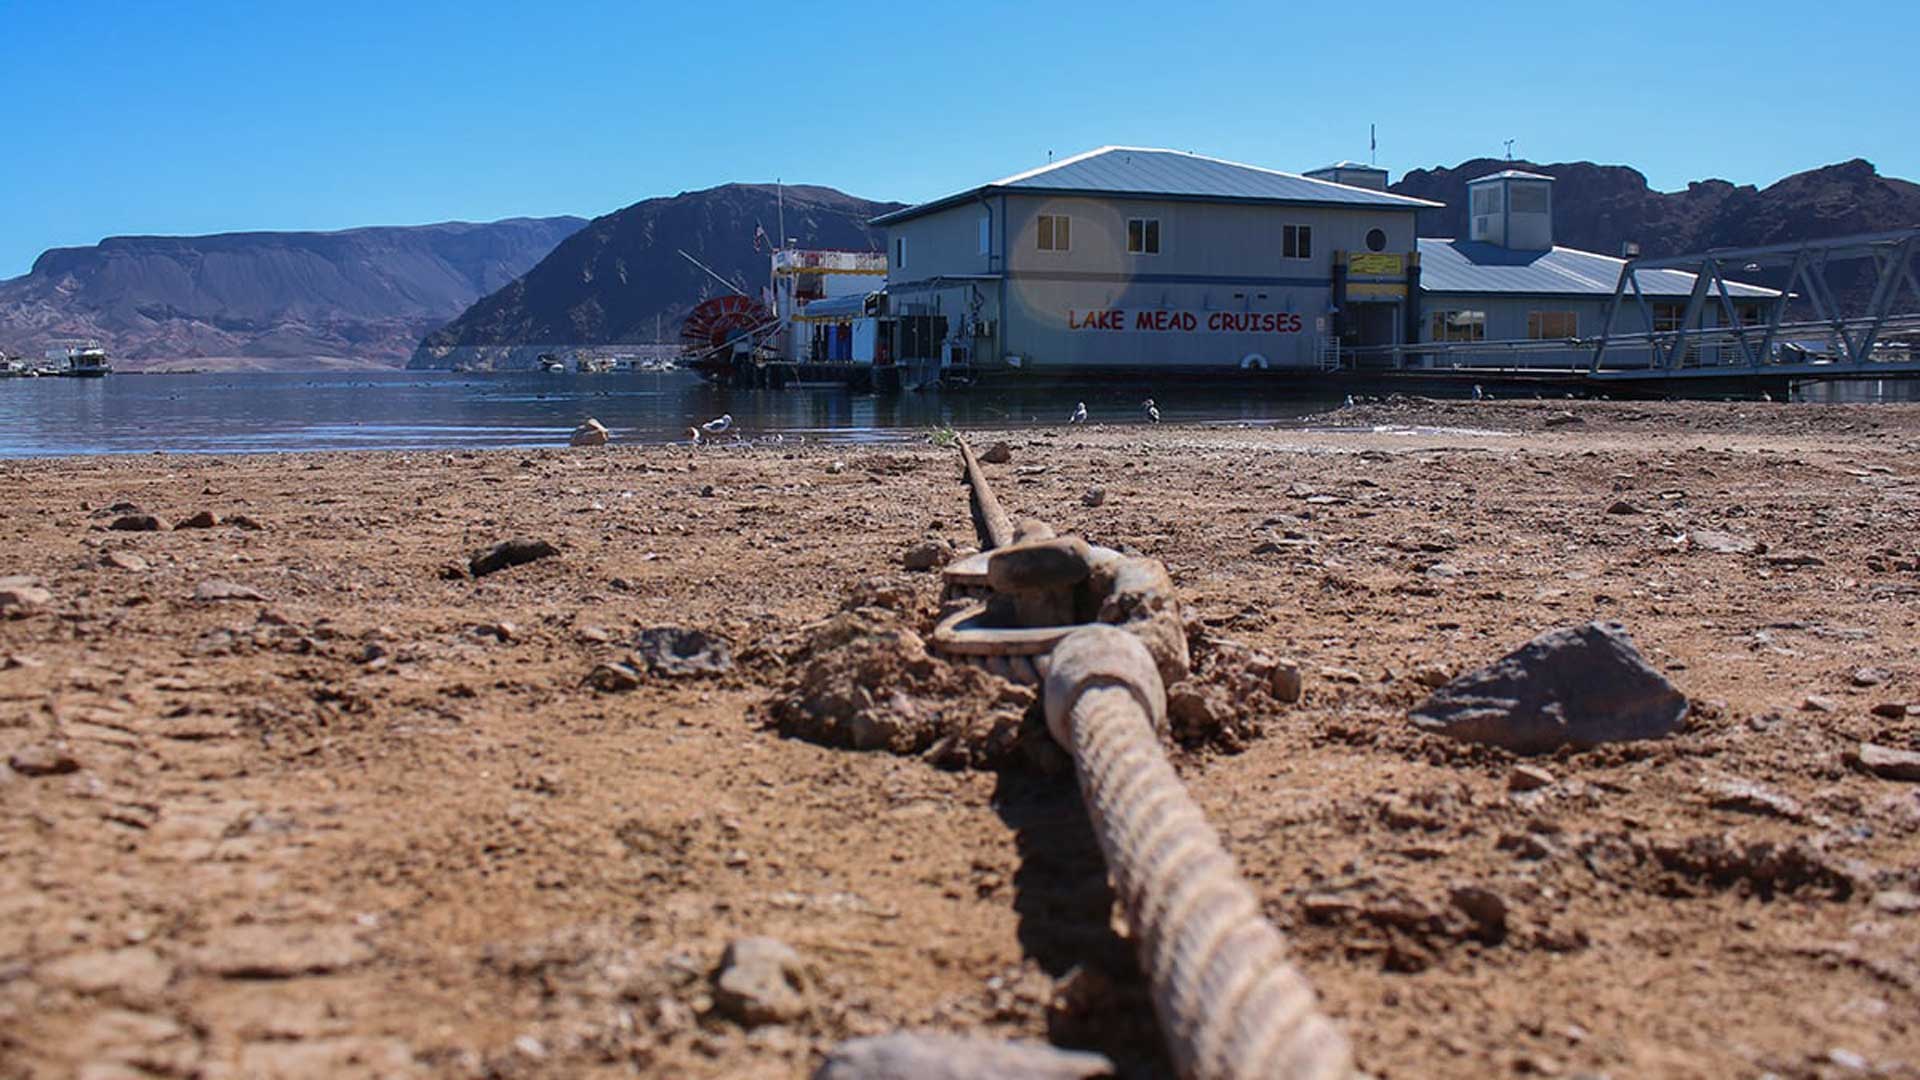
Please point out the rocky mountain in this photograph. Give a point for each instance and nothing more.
(622, 278)
(1598, 207)
(288, 299)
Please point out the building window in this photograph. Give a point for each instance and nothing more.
(1459, 326)
(1056, 232)
(1296, 241)
(986, 236)
(899, 253)
(1752, 316)
(1486, 199)
(1376, 239)
(1528, 199)
(1552, 325)
(1143, 236)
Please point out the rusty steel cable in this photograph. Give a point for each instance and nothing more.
(1229, 1003)
(992, 523)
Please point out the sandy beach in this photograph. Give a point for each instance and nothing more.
(296, 795)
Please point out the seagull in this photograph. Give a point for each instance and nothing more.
(693, 435)
(1349, 402)
(1153, 412)
(1079, 414)
(715, 427)
(1477, 395)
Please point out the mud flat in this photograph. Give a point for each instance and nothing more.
(293, 793)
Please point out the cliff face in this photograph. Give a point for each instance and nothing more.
(256, 299)
(607, 283)
(1598, 207)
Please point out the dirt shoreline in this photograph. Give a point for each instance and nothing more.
(376, 822)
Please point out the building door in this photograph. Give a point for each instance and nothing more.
(1372, 326)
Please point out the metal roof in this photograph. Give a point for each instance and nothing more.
(1148, 173)
(1473, 266)
(1510, 174)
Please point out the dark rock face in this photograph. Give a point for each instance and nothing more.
(608, 282)
(1579, 686)
(362, 294)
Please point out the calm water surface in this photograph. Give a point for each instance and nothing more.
(250, 412)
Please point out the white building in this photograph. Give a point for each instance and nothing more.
(1130, 259)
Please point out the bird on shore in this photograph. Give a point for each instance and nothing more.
(1153, 412)
(693, 435)
(1349, 401)
(718, 424)
(1477, 393)
(1079, 414)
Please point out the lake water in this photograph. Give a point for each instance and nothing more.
(254, 412)
(408, 410)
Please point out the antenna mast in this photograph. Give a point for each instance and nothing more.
(1509, 149)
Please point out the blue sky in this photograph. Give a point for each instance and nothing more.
(192, 117)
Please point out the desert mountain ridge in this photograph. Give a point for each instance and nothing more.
(360, 297)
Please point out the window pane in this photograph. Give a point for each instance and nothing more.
(1061, 232)
(1136, 235)
(1289, 242)
(1153, 238)
(1046, 232)
(1306, 241)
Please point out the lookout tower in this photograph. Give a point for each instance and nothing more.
(1512, 209)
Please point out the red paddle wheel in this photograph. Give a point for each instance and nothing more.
(722, 320)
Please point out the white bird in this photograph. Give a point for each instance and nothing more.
(1477, 395)
(715, 427)
(1153, 412)
(1349, 402)
(1079, 414)
(693, 435)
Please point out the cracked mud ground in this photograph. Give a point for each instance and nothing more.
(376, 823)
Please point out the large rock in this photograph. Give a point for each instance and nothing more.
(928, 1056)
(1578, 686)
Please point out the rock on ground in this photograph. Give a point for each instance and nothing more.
(927, 555)
(928, 1056)
(1887, 763)
(676, 650)
(515, 552)
(43, 759)
(218, 590)
(761, 980)
(21, 596)
(591, 433)
(1577, 686)
(258, 951)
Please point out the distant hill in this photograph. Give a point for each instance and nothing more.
(609, 282)
(1597, 207)
(362, 296)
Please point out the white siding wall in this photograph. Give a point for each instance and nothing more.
(1221, 281)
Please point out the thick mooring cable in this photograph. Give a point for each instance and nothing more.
(995, 528)
(1228, 1001)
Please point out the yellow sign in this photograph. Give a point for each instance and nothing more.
(1376, 290)
(1363, 262)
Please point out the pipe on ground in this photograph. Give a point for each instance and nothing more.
(1229, 1003)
